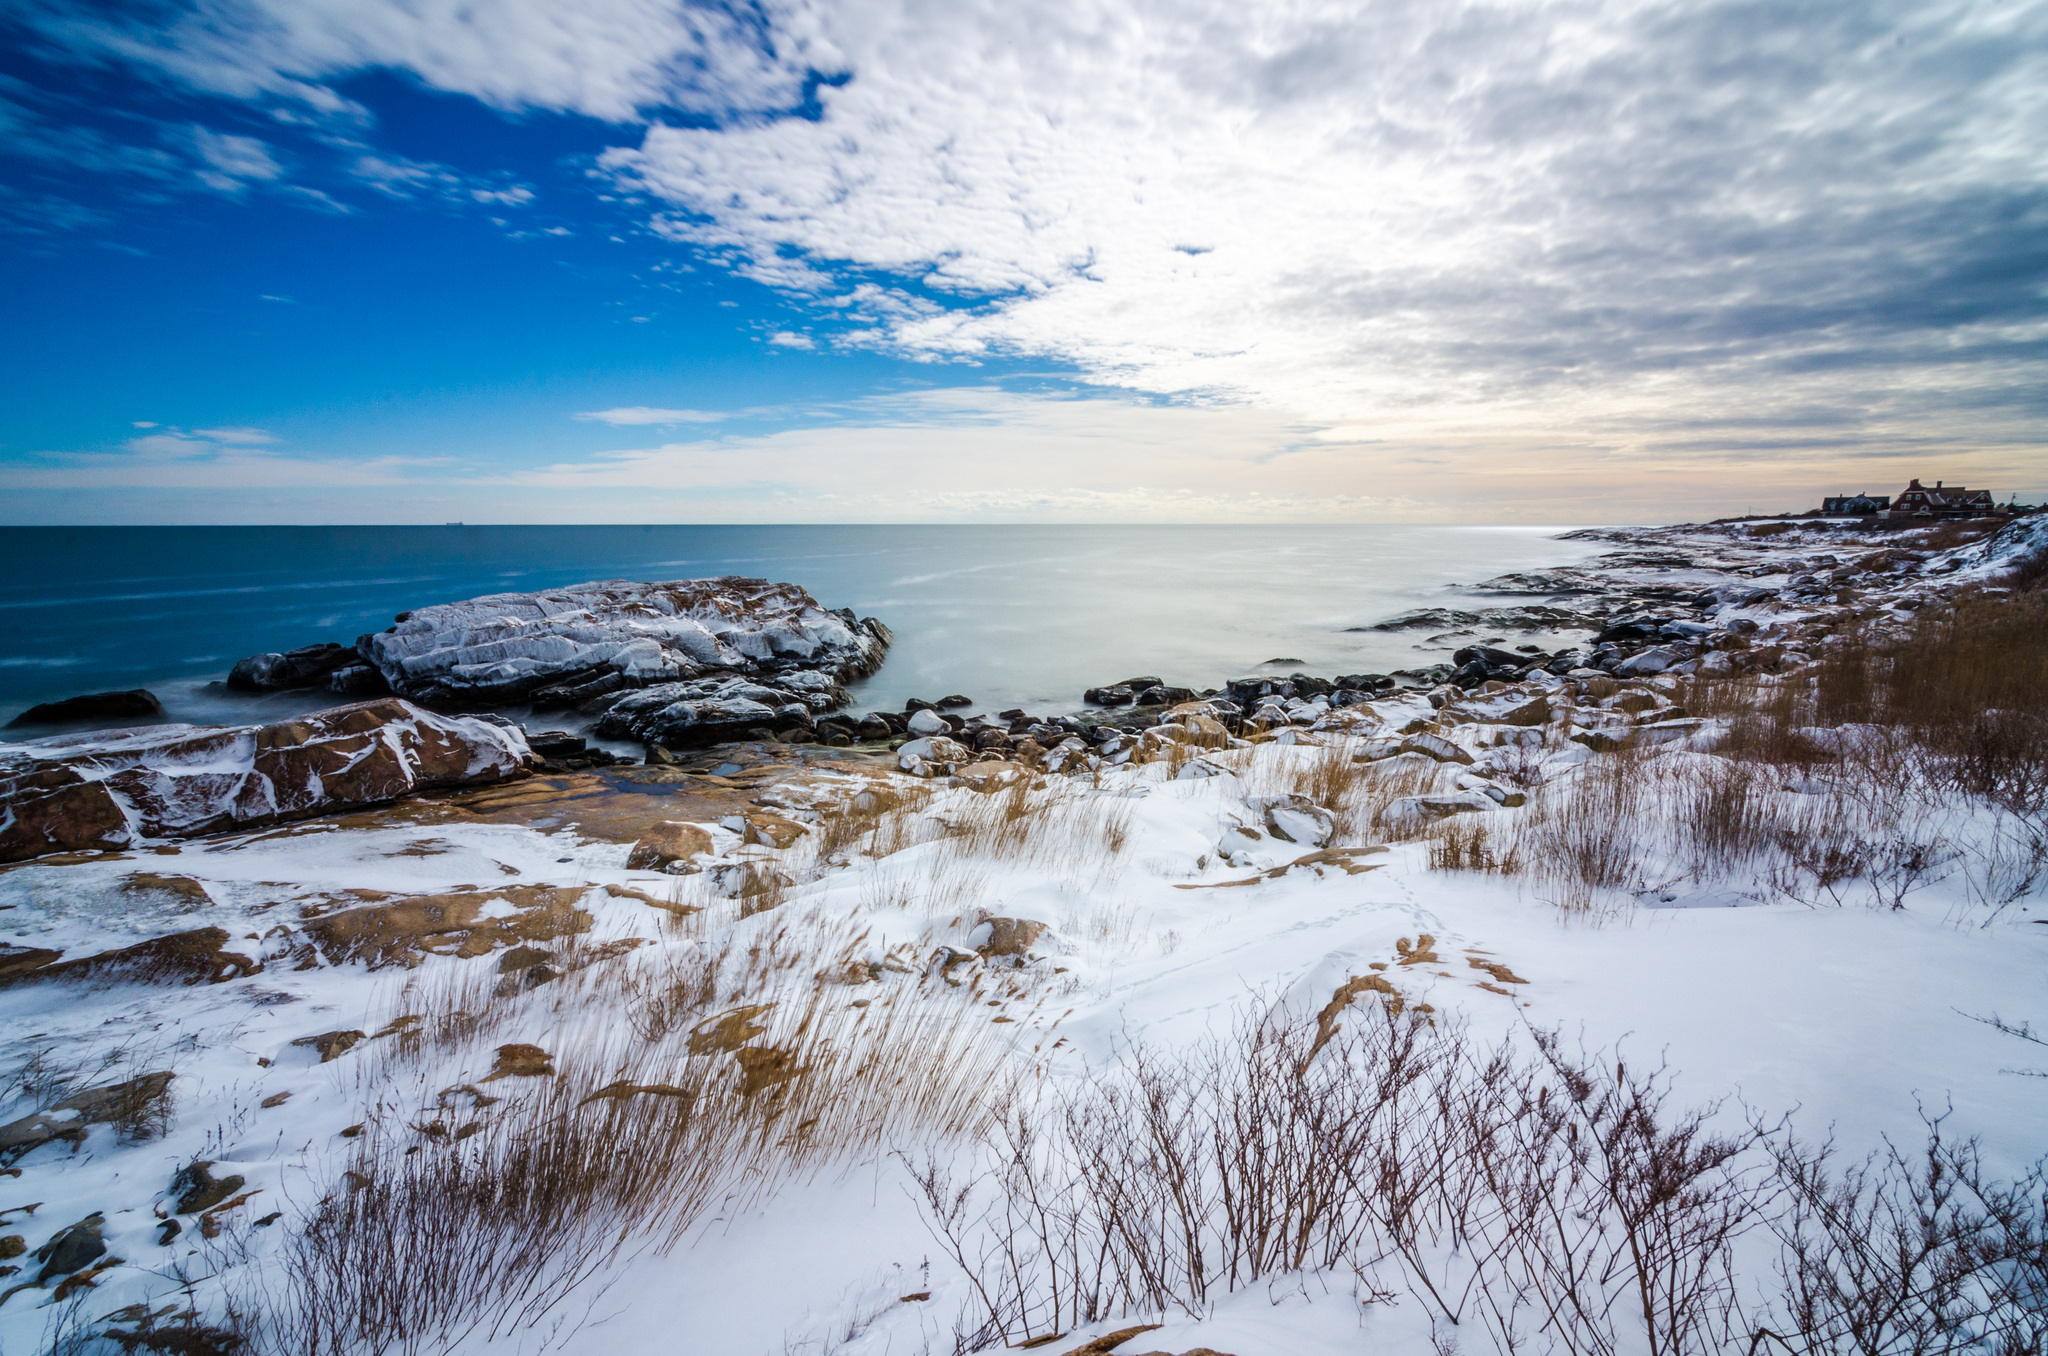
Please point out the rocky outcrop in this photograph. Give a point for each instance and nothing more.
(693, 715)
(307, 666)
(138, 704)
(566, 646)
(112, 789)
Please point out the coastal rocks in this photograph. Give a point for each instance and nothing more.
(930, 755)
(584, 641)
(695, 715)
(307, 666)
(666, 843)
(927, 722)
(1297, 819)
(138, 704)
(113, 789)
(129, 1103)
(460, 923)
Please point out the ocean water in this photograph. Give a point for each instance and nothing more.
(1007, 615)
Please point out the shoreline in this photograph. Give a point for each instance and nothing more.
(1414, 851)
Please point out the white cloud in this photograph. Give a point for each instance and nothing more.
(232, 162)
(642, 414)
(787, 339)
(236, 435)
(608, 59)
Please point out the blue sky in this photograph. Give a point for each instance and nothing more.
(357, 260)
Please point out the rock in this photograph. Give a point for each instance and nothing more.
(955, 702)
(995, 936)
(114, 789)
(927, 722)
(934, 749)
(197, 1189)
(72, 1249)
(1656, 659)
(702, 712)
(556, 744)
(1115, 694)
(1603, 741)
(193, 957)
(19, 960)
(990, 775)
(332, 1045)
(669, 841)
(358, 680)
(1432, 745)
(508, 646)
(403, 931)
(1406, 815)
(307, 666)
(128, 1103)
(1297, 819)
(94, 706)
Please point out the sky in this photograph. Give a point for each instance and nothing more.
(1574, 261)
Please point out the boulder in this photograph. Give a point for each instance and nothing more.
(928, 722)
(706, 711)
(994, 936)
(932, 749)
(307, 666)
(1297, 819)
(126, 1103)
(666, 842)
(132, 705)
(194, 957)
(1407, 815)
(507, 647)
(113, 789)
(991, 775)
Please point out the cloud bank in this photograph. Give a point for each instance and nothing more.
(1659, 235)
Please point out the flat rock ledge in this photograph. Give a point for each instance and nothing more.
(566, 647)
(113, 789)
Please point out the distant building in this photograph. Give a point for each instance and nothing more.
(1942, 501)
(1855, 505)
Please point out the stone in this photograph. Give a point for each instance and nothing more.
(1435, 746)
(358, 680)
(1297, 819)
(197, 1189)
(668, 842)
(990, 775)
(703, 712)
(933, 749)
(404, 931)
(1407, 815)
(116, 789)
(194, 957)
(955, 702)
(332, 1045)
(138, 703)
(1115, 694)
(72, 1249)
(505, 647)
(307, 666)
(927, 722)
(994, 936)
(127, 1103)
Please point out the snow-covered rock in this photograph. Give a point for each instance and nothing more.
(113, 789)
(574, 643)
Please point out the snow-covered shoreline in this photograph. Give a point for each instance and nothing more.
(1036, 920)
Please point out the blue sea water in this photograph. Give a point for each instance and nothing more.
(1008, 615)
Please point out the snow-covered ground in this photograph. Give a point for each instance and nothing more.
(534, 968)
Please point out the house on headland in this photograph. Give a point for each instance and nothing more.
(1950, 501)
(1854, 505)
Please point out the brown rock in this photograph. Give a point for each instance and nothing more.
(1109, 1342)
(403, 931)
(1009, 936)
(136, 1105)
(185, 957)
(331, 1044)
(990, 775)
(108, 789)
(197, 1189)
(19, 960)
(668, 841)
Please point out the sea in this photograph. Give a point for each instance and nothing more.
(1008, 616)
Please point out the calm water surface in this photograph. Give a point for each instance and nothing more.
(1009, 615)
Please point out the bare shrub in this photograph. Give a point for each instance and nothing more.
(1538, 1198)
(1902, 1254)
(443, 1231)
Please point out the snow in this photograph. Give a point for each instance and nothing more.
(1856, 1019)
